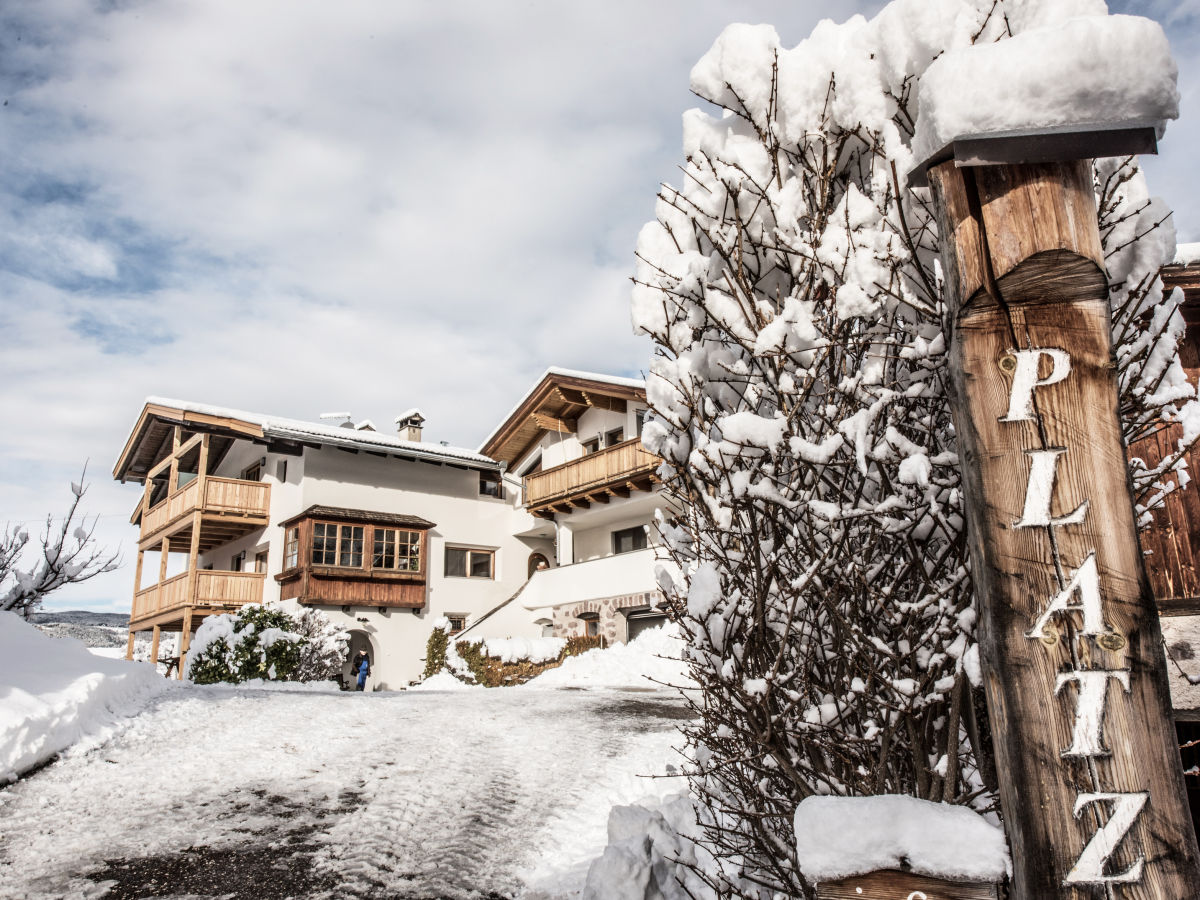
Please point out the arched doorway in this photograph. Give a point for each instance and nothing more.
(537, 561)
(359, 640)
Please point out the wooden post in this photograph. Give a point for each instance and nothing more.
(185, 640)
(1090, 779)
(154, 645)
(162, 561)
(889, 884)
(129, 646)
(193, 556)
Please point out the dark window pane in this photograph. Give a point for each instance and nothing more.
(456, 561)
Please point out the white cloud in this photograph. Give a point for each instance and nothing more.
(297, 206)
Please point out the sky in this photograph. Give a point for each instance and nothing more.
(298, 207)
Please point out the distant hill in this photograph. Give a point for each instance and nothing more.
(80, 617)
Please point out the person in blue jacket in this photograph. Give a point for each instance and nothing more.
(362, 668)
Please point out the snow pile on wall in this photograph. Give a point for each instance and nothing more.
(534, 650)
(653, 656)
(1088, 71)
(55, 693)
(841, 836)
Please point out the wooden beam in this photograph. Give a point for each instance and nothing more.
(1091, 786)
(185, 640)
(578, 503)
(618, 490)
(598, 497)
(553, 423)
(154, 646)
(129, 645)
(896, 885)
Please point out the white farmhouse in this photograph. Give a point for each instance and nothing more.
(541, 531)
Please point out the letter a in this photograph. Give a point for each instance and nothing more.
(1089, 868)
(1020, 397)
(1086, 581)
(1041, 489)
(1087, 739)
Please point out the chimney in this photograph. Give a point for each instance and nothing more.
(408, 424)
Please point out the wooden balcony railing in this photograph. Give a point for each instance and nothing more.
(212, 589)
(222, 496)
(613, 467)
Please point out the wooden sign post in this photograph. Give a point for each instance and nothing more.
(1091, 786)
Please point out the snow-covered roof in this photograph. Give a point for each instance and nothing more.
(334, 435)
(409, 414)
(1186, 254)
(637, 384)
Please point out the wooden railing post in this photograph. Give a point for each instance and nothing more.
(1090, 778)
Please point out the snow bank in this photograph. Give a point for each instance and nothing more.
(292, 687)
(534, 650)
(653, 656)
(649, 849)
(1186, 254)
(54, 693)
(443, 681)
(837, 837)
(1091, 71)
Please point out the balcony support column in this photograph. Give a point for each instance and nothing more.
(154, 646)
(162, 562)
(565, 544)
(129, 646)
(185, 640)
(193, 555)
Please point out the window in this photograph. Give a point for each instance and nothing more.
(641, 421)
(629, 539)
(239, 562)
(281, 470)
(457, 622)
(614, 437)
(260, 561)
(324, 544)
(593, 627)
(252, 472)
(591, 446)
(393, 548)
(489, 485)
(350, 546)
(463, 563)
(291, 547)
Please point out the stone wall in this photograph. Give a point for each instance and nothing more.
(613, 625)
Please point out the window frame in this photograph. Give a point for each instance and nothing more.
(468, 553)
(619, 431)
(591, 445)
(460, 617)
(412, 540)
(291, 547)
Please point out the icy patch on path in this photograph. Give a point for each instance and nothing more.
(411, 794)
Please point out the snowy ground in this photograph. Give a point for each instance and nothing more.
(219, 792)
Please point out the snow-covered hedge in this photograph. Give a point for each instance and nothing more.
(266, 642)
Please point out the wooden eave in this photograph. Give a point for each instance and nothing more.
(150, 440)
(365, 516)
(555, 405)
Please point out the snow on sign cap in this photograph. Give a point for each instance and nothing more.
(837, 837)
(1110, 77)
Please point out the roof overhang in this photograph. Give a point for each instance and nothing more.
(554, 405)
(144, 445)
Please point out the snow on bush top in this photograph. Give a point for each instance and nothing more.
(534, 650)
(837, 837)
(653, 656)
(1092, 71)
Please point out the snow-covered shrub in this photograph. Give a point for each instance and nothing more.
(325, 645)
(799, 400)
(435, 647)
(264, 641)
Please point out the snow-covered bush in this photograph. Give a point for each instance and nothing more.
(435, 647)
(799, 400)
(265, 642)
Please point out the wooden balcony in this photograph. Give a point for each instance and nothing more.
(1172, 543)
(228, 508)
(595, 478)
(214, 592)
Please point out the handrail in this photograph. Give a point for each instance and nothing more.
(590, 471)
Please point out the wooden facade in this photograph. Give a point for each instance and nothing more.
(185, 509)
(366, 576)
(611, 472)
